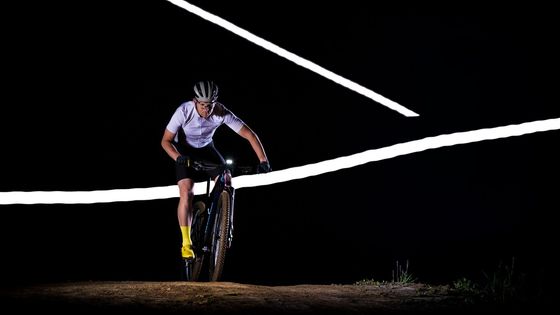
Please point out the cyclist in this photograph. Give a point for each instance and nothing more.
(189, 136)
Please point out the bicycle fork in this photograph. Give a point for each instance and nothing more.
(230, 226)
(214, 196)
(209, 226)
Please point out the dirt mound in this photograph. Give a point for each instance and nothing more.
(234, 298)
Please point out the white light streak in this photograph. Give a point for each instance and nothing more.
(295, 58)
(165, 192)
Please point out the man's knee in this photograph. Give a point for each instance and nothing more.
(186, 189)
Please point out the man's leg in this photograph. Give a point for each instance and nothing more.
(185, 215)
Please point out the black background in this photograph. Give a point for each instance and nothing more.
(89, 88)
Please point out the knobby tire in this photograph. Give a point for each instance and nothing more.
(220, 237)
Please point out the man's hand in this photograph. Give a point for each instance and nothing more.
(183, 160)
(263, 167)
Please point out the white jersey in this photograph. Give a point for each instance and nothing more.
(198, 130)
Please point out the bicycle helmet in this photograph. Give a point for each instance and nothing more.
(206, 91)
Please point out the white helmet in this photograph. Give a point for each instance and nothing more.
(206, 91)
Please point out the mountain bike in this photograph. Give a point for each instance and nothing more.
(212, 225)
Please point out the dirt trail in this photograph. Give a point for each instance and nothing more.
(232, 298)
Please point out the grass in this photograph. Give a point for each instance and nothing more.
(505, 285)
(400, 276)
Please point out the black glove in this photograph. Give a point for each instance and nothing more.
(263, 167)
(183, 160)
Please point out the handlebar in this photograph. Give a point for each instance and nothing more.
(207, 166)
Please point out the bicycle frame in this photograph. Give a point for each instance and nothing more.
(212, 225)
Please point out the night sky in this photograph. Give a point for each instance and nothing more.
(88, 90)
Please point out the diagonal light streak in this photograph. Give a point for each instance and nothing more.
(165, 192)
(295, 58)
(396, 150)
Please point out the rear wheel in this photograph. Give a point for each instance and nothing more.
(220, 237)
(197, 235)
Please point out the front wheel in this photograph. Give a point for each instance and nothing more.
(220, 237)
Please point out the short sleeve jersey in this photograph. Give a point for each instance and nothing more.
(198, 130)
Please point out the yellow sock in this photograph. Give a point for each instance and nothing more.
(186, 249)
(186, 232)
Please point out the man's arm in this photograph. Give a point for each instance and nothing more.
(256, 144)
(167, 144)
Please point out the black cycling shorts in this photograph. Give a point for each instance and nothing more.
(208, 154)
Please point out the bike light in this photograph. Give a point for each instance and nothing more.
(229, 161)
